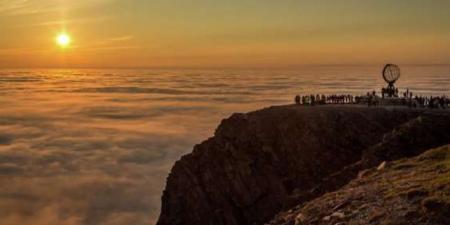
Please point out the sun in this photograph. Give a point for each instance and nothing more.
(63, 40)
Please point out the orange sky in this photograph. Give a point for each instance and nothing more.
(232, 33)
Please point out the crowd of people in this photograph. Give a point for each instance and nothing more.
(372, 99)
(425, 102)
(324, 99)
(428, 102)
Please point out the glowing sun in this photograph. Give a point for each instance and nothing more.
(63, 40)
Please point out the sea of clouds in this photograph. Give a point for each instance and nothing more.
(84, 147)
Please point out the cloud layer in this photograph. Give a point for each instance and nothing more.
(85, 147)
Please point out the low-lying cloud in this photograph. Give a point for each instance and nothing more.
(94, 147)
(71, 154)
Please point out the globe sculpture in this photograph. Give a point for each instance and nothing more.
(391, 73)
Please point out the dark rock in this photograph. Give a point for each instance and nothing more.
(380, 199)
(437, 205)
(260, 163)
(416, 193)
(429, 130)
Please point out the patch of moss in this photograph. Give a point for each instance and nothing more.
(429, 173)
(403, 166)
(440, 154)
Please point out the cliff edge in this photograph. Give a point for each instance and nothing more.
(261, 163)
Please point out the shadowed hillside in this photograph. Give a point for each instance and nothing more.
(261, 163)
(409, 191)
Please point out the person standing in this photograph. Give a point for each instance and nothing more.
(297, 99)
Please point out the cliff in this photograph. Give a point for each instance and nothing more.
(261, 163)
(409, 191)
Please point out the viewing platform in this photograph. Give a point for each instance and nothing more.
(389, 95)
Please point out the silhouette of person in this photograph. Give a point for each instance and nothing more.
(297, 99)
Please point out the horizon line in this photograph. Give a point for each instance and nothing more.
(218, 67)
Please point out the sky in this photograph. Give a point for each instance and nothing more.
(232, 33)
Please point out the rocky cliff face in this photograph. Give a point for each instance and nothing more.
(409, 191)
(263, 162)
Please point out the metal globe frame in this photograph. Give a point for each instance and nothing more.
(391, 73)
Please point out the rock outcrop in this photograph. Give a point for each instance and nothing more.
(261, 163)
(409, 191)
(429, 130)
(410, 139)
